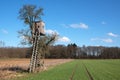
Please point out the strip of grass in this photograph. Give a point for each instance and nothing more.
(60, 72)
(99, 70)
(104, 69)
(80, 73)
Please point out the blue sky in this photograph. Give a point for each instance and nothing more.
(84, 22)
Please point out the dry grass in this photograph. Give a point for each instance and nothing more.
(10, 68)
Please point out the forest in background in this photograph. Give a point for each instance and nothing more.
(62, 51)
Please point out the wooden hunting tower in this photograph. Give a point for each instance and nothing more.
(38, 27)
(37, 31)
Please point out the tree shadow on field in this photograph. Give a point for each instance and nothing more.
(14, 69)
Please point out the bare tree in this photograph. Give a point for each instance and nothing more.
(31, 15)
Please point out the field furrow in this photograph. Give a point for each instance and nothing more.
(101, 71)
(80, 73)
(73, 73)
(79, 70)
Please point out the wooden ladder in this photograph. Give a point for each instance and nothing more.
(33, 60)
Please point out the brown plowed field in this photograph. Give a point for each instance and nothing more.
(10, 68)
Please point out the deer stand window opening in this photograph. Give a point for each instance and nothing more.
(37, 31)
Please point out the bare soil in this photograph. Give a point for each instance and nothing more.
(10, 68)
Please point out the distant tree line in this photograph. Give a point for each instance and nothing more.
(62, 51)
(91, 52)
(12, 52)
(110, 53)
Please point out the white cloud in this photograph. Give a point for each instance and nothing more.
(4, 31)
(64, 25)
(80, 25)
(64, 39)
(49, 31)
(59, 39)
(107, 40)
(24, 38)
(112, 34)
(103, 22)
(94, 39)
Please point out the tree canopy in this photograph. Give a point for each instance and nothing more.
(29, 14)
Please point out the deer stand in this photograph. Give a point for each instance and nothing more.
(36, 59)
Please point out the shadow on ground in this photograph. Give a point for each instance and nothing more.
(15, 69)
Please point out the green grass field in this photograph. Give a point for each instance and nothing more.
(80, 70)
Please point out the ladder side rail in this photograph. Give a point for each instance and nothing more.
(33, 56)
